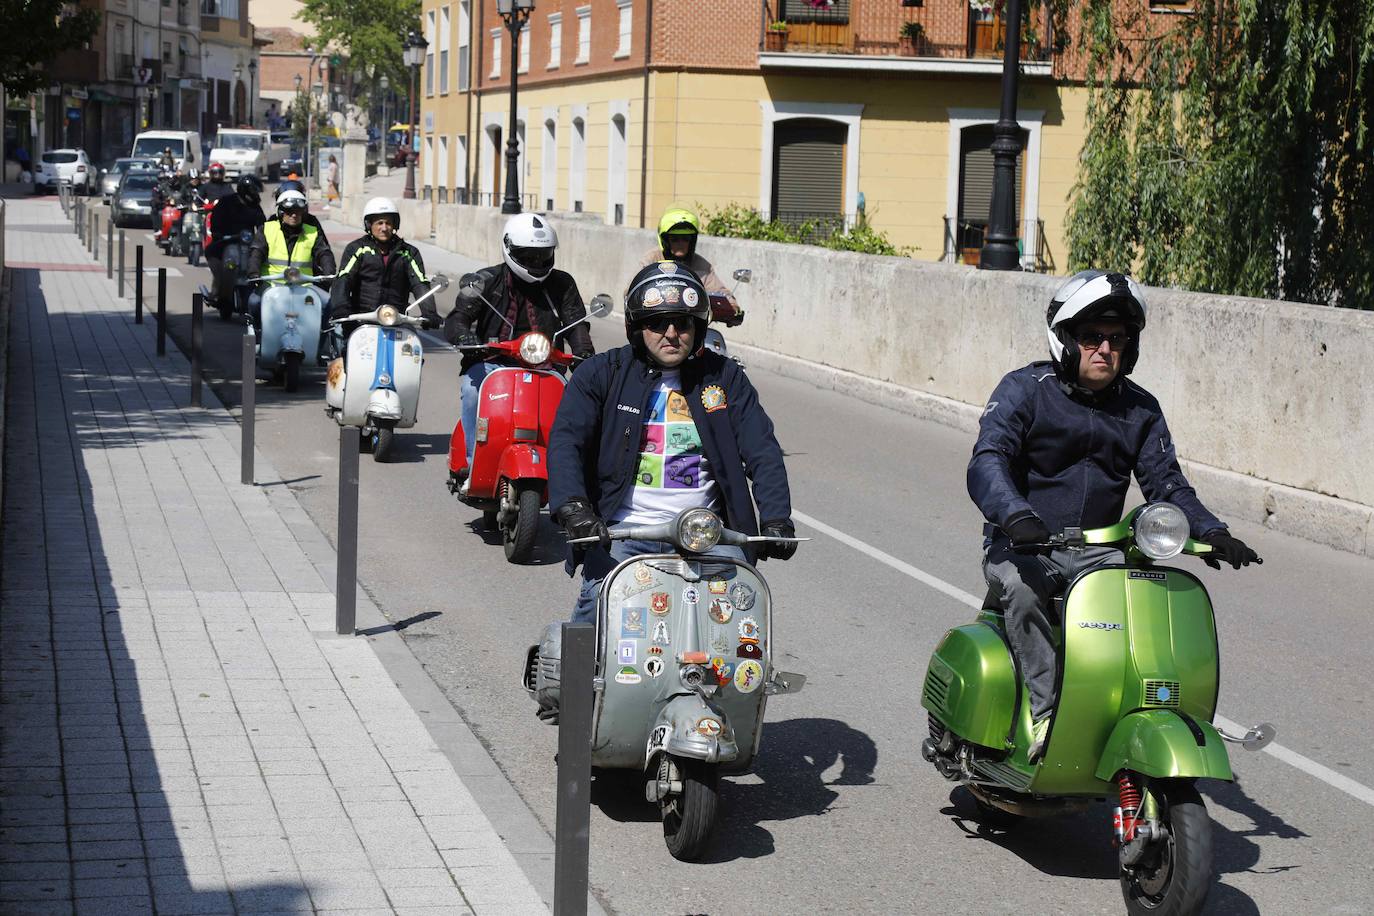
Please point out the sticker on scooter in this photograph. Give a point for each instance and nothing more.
(655, 650)
(708, 727)
(749, 629)
(658, 738)
(742, 596)
(1147, 574)
(653, 666)
(628, 675)
(661, 633)
(720, 642)
(749, 650)
(690, 595)
(724, 670)
(627, 651)
(748, 676)
(721, 610)
(632, 622)
(717, 586)
(659, 603)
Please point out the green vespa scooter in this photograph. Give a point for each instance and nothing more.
(1138, 688)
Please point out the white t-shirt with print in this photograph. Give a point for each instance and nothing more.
(672, 473)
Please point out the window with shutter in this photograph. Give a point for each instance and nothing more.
(975, 183)
(808, 171)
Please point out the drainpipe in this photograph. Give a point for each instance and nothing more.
(644, 114)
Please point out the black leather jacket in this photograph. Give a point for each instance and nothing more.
(373, 276)
(556, 304)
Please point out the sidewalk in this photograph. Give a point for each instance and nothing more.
(182, 731)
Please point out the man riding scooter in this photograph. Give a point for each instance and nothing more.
(701, 435)
(501, 302)
(289, 240)
(380, 268)
(212, 190)
(232, 215)
(678, 229)
(1058, 442)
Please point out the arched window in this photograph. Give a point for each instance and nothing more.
(548, 167)
(617, 168)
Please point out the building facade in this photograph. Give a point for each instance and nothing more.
(230, 66)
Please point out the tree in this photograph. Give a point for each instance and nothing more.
(1231, 151)
(304, 108)
(47, 27)
(372, 32)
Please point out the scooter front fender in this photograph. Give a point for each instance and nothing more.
(524, 462)
(1166, 745)
(677, 731)
(384, 404)
(291, 340)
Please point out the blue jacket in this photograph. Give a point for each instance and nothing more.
(594, 443)
(1069, 459)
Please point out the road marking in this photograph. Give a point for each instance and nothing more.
(1292, 758)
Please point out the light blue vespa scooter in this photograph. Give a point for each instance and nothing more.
(292, 315)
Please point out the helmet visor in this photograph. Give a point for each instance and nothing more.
(538, 261)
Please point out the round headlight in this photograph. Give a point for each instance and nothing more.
(698, 530)
(1161, 530)
(387, 316)
(534, 349)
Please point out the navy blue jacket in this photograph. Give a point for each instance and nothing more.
(1069, 459)
(594, 443)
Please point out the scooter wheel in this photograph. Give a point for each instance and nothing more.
(690, 816)
(291, 371)
(521, 534)
(1176, 875)
(382, 440)
(225, 309)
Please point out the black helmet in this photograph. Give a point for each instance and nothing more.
(290, 184)
(249, 188)
(665, 288)
(1093, 295)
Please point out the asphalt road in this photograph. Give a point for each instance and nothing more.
(841, 814)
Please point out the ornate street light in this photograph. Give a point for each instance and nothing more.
(515, 13)
(384, 84)
(415, 46)
(252, 79)
(1000, 249)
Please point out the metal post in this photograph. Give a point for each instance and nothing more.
(511, 202)
(80, 220)
(162, 311)
(346, 573)
(572, 832)
(409, 192)
(121, 263)
(248, 383)
(95, 235)
(138, 284)
(197, 316)
(109, 249)
(1000, 248)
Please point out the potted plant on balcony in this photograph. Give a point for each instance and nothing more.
(910, 39)
(775, 39)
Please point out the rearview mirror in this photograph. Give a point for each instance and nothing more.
(743, 275)
(783, 682)
(600, 306)
(439, 280)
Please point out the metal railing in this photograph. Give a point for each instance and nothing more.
(963, 243)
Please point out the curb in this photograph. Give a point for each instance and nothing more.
(1338, 523)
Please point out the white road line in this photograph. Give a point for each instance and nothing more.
(1292, 758)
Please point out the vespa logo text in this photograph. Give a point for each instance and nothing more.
(497, 397)
(1099, 625)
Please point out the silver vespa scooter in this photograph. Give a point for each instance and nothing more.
(684, 668)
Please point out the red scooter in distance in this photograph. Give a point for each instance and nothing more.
(516, 406)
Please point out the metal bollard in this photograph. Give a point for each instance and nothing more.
(121, 263)
(197, 323)
(79, 219)
(162, 311)
(93, 236)
(138, 284)
(346, 572)
(109, 249)
(248, 381)
(572, 830)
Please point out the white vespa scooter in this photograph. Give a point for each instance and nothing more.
(292, 314)
(384, 357)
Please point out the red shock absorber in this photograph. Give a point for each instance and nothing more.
(1130, 807)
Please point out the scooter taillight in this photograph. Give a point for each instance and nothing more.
(1124, 818)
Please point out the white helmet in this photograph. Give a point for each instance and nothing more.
(1087, 296)
(528, 246)
(381, 206)
(291, 199)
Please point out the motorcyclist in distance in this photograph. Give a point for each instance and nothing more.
(678, 230)
(217, 186)
(232, 215)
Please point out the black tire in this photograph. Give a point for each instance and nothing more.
(382, 440)
(1175, 877)
(689, 817)
(194, 256)
(291, 371)
(520, 535)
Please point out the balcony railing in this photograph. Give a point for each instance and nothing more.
(880, 28)
(964, 244)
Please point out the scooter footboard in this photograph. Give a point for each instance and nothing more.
(1166, 745)
(687, 727)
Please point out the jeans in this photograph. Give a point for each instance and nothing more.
(598, 563)
(469, 387)
(1025, 585)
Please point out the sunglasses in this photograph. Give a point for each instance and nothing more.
(660, 323)
(1092, 340)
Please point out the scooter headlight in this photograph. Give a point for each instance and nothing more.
(698, 530)
(534, 349)
(1161, 530)
(387, 316)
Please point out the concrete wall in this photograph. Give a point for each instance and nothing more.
(1268, 401)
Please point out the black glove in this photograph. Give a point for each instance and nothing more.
(466, 340)
(579, 521)
(1226, 549)
(775, 549)
(1027, 531)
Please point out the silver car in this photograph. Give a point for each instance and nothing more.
(109, 178)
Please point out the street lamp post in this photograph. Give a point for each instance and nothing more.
(515, 13)
(238, 78)
(252, 79)
(414, 56)
(1000, 249)
(384, 84)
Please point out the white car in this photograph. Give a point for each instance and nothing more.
(64, 166)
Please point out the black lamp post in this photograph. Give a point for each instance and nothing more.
(414, 56)
(252, 79)
(516, 13)
(1000, 249)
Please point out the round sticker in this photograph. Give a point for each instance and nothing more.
(748, 676)
(708, 727)
(653, 666)
(742, 596)
(749, 628)
(652, 297)
(721, 609)
(690, 298)
(690, 595)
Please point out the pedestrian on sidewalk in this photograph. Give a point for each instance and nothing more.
(331, 181)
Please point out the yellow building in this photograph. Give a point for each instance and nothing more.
(846, 108)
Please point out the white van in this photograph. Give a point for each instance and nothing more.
(184, 144)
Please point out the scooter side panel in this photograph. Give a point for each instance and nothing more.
(648, 614)
(407, 362)
(971, 686)
(495, 400)
(363, 346)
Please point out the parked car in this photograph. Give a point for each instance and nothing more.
(293, 162)
(64, 166)
(109, 178)
(132, 203)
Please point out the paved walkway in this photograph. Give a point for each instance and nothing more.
(181, 730)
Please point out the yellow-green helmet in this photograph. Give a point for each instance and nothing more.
(678, 221)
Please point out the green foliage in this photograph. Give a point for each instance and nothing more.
(39, 30)
(1231, 150)
(739, 222)
(373, 33)
(300, 128)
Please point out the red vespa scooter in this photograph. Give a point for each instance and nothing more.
(517, 403)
